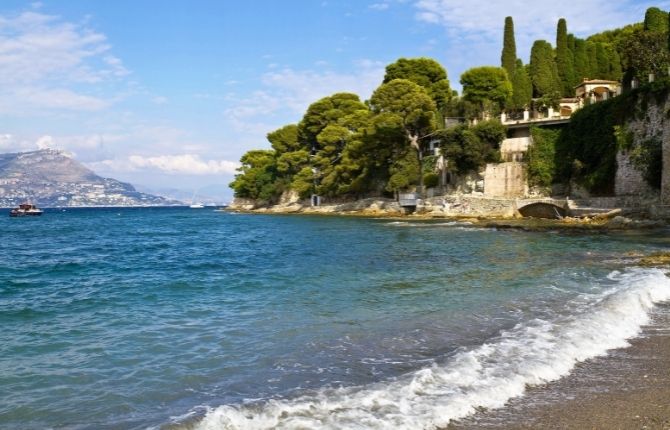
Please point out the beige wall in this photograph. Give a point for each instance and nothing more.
(505, 180)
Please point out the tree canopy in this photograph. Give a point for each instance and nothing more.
(425, 72)
(486, 84)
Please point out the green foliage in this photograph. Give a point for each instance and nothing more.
(323, 112)
(409, 102)
(258, 176)
(404, 172)
(582, 67)
(490, 132)
(656, 20)
(425, 72)
(468, 153)
(486, 84)
(284, 139)
(508, 56)
(564, 60)
(645, 52)
(586, 149)
(647, 157)
(303, 182)
(541, 156)
(409, 105)
(543, 70)
(522, 88)
(431, 180)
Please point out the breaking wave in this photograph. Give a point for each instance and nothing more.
(531, 353)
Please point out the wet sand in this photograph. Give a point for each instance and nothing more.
(627, 389)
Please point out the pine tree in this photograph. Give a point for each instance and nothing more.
(563, 59)
(543, 70)
(508, 57)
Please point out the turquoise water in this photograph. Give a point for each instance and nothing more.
(137, 318)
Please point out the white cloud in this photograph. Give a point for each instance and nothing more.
(45, 142)
(185, 164)
(474, 29)
(286, 94)
(48, 64)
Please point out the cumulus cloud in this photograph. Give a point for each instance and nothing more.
(185, 164)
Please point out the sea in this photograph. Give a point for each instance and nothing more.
(178, 318)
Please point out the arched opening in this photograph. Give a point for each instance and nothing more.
(566, 111)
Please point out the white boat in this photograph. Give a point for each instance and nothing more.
(194, 204)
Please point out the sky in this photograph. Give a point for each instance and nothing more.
(169, 94)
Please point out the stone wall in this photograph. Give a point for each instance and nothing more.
(505, 180)
(654, 125)
(629, 180)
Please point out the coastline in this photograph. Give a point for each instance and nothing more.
(629, 388)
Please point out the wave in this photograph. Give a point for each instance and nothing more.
(532, 353)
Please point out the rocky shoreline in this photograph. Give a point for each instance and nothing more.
(481, 212)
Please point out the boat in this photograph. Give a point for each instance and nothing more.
(25, 209)
(194, 204)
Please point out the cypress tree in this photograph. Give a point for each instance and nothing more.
(603, 61)
(582, 69)
(655, 20)
(543, 70)
(563, 59)
(508, 57)
(522, 87)
(591, 51)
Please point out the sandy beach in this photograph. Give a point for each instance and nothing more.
(627, 389)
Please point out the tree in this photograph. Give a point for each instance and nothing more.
(543, 70)
(284, 139)
(410, 106)
(324, 112)
(564, 60)
(486, 84)
(508, 56)
(655, 20)
(465, 149)
(257, 177)
(582, 69)
(522, 87)
(645, 52)
(425, 72)
(591, 55)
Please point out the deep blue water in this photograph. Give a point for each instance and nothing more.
(136, 318)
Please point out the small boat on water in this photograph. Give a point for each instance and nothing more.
(25, 209)
(196, 206)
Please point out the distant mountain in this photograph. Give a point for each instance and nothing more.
(215, 194)
(50, 178)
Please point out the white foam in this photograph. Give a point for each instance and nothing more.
(488, 376)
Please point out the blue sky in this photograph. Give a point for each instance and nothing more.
(170, 94)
